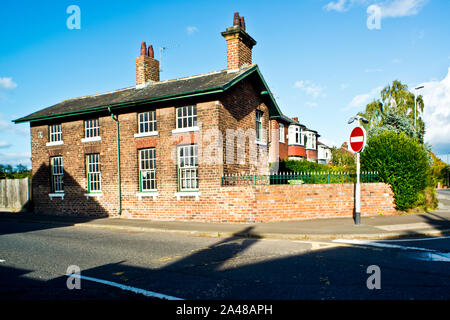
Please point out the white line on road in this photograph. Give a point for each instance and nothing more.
(127, 288)
(408, 240)
(1, 260)
(380, 245)
(425, 254)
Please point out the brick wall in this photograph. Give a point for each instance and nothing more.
(297, 202)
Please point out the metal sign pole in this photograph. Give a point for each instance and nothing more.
(357, 193)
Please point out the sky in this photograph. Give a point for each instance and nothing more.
(323, 60)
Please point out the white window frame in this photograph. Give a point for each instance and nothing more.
(55, 133)
(259, 124)
(57, 174)
(147, 170)
(281, 130)
(187, 167)
(91, 128)
(93, 173)
(147, 122)
(186, 117)
(310, 140)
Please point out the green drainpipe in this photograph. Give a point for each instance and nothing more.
(116, 119)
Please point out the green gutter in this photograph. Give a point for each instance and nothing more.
(116, 119)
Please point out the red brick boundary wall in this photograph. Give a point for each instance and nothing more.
(298, 202)
(239, 204)
(247, 204)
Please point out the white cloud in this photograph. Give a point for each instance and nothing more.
(16, 158)
(7, 84)
(389, 8)
(344, 86)
(339, 6)
(191, 30)
(309, 88)
(436, 96)
(401, 8)
(396, 61)
(311, 104)
(369, 70)
(4, 145)
(9, 127)
(361, 100)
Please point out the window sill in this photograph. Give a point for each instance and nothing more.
(56, 195)
(54, 143)
(195, 194)
(152, 194)
(97, 195)
(260, 143)
(185, 130)
(92, 139)
(146, 134)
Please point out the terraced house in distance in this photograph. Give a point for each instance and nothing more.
(157, 149)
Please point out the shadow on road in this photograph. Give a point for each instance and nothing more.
(220, 271)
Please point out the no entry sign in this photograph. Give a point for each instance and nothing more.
(357, 139)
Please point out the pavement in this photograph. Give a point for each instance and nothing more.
(410, 225)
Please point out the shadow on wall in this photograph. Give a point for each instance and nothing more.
(47, 213)
(74, 202)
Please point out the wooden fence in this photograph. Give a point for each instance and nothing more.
(15, 194)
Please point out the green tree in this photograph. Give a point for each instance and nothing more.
(438, 169)
(395, 110)
(342, 158)
(402, 162)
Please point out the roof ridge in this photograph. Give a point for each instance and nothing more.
(156, 83)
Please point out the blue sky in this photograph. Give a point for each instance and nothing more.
(320, 59)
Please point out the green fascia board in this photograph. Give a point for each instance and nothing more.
(195, 93)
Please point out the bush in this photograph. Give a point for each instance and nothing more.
(401, 162)
(303, 166)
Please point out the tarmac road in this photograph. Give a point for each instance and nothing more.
(34, 258)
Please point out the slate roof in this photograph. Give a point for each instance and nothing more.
(158, 91)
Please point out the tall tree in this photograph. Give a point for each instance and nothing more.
(395, 110)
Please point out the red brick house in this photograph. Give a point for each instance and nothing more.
(160, 149)
(141, 150)
(296, 141)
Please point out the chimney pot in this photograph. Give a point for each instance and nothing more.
(150, 51)
(242, 23)
(236, 20)
(295, 119)
(143, 49)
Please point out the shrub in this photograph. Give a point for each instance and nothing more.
(401, 162)
(303, 166)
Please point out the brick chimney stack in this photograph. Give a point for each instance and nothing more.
(239, 44)
(147, 67)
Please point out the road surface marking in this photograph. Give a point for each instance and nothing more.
(319, 245)
(127, 288)
(415, 239)
(408, 226)
(1, 260)
(424, 254)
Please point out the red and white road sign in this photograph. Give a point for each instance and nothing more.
(357, 139)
